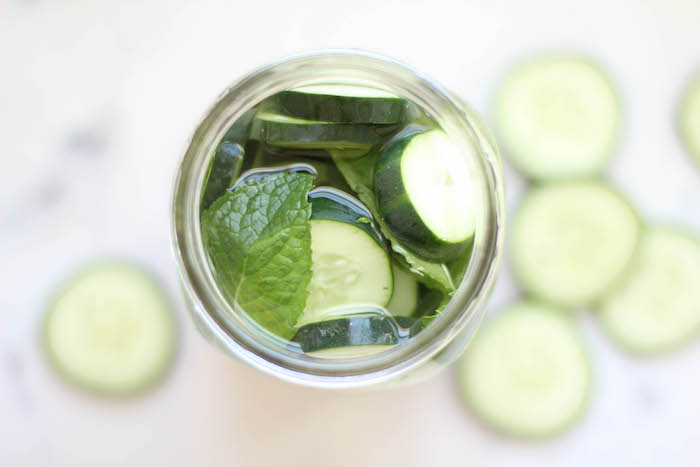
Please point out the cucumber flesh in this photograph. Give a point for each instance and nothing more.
(356, 351)
(341, 104)
(356, 330)
(295, 133)
(690, 118)
(423, 189)
(558, 117)
(111, 329)
(657, 307)
(350, 268)
(526, 373)
(404, 301)
(572, 241)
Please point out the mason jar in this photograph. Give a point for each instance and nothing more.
(225, 325)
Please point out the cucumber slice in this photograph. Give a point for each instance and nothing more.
(424, 194)
(331, 204)
(224, 168)
(526, 373)
(657, 307)
(294, 133)
(350, 268)
(572, 241)
(558, 117)
(340, 104)
(404, 301)
(238, 132)
(111, 329)
(689, 118)
(356, 330)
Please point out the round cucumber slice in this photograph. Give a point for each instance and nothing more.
(572, 241)
(350, 268)
(689, 118)
(657, 307)
(526, 373)
(111, 329)
(558, 117)
(424, 194)
(341, 104)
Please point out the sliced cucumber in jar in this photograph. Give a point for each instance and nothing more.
(526, 373)
(335, 103)
(404, 301)
(355, 351)
(571, 242)
(349, 331)
(287, 132)
(331, 204)
(224, 168)
(657, 307)
(424, 194)
(111, 329)
(558, 117)
(350, 266)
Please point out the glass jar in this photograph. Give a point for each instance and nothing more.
(231, 330)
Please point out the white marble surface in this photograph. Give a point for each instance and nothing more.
(96, 100)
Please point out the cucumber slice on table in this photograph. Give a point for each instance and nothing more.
(424, 194)
(558, 117)
(404, 301)
(349, 263)
(224, 168)
(349, 331)
(111, 329)
(526, 373)
(689, 118)
(288, 132)
(657, 307)
(572, 241)
(338, 103)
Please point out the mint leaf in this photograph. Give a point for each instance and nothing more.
(429, 317)
(359, 174)
(259, 241)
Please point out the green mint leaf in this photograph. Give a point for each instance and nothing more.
(259, 241)
(359, 174)
(429, 317)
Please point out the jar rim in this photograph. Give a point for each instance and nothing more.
(229, 324)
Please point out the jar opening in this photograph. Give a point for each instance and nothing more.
(240, 333)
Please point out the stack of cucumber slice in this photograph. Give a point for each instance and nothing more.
(575, 242)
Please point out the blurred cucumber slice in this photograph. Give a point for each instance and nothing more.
(558, 117)
(526, 373)
(111, 329)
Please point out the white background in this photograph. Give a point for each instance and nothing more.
(96, 101)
